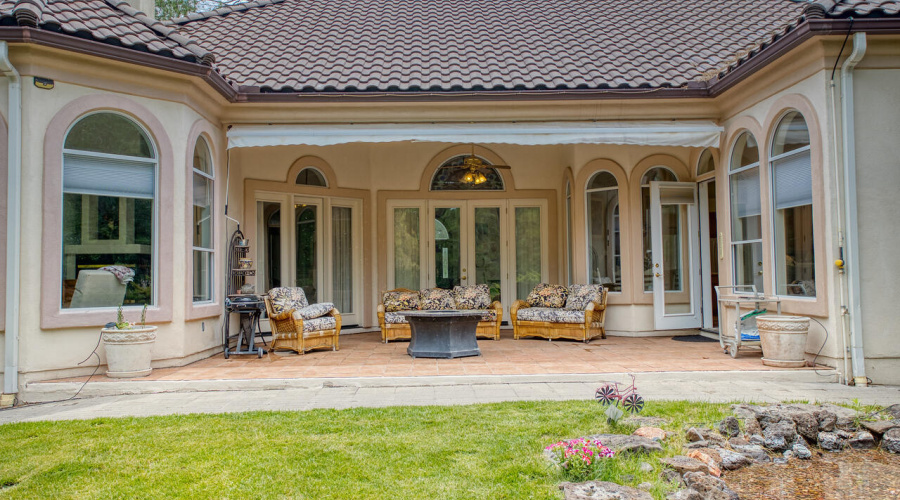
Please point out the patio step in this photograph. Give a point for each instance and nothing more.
(679, 382)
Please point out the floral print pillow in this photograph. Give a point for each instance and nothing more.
(472, 297)
(284, 299)
(400, 301)
(436, 299)
(547, 295)
(314, 310)
(582, 295)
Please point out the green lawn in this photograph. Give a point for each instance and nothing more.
(486, 451)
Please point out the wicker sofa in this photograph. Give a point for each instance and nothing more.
(300, 326)
(394, 325)
(576, 312)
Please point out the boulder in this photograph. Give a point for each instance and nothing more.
(831, 441)
(743, 412)
(683, 464)
(732, 460)
(754, 452)
(654, 433)
(627, 445)
(779, 434)
(711, 458)
(738, 441)
(801, 451)
(806, 424)
(708, 487)
(879, 427)
(730, 427)
(863, 440)
(671, 476)
(693, 435)
(891, 440)
(751, 426)
(827, 420)
(602, 490)
(696, 444)
(758, 440)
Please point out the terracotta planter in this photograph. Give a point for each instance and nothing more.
(128, 351)
(783, 340)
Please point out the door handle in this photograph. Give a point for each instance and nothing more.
(658, 275)
(463, 277)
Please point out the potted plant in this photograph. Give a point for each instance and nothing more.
(783, 339)
(128, 346)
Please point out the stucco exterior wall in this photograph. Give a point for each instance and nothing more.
(877, 115)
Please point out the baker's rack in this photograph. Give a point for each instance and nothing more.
(248, 306)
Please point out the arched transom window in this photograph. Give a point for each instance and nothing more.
(310, 176)
(109, 205)
(603, 238)
(793, 207)
(453, 176)
(706, 164)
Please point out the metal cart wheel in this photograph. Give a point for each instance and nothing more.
(259, 352)
(633, 403)
(226, 353)
(733, 350)
(604, 395)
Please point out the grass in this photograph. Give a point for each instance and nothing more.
(480, 451)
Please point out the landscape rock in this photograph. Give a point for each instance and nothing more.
(785, 429)
(891, 440)
(708, 487)
(879, 427)
(863, 440)
(602, 490)
(754, 452)
(806, 424)
(780, 461)
(757, 439)
(654, 433)
(693, 435)
(775, 443)
(801, 451)
(738, 441)
(696, 444)
(686, 494)
(645, 486)
(732, 460)
(788, 454)
(893, 410)
(730, 427)
(751, 426)
(627, 445)
(645, 421)
(742, 412)
(827, 421)
(712, 460)
(831, 441)
(683, 464)
(671, 476)
(645, 467)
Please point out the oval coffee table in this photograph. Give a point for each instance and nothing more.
(443, 334)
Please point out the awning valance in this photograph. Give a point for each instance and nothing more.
(648, 133)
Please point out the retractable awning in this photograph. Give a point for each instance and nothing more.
(649, 133)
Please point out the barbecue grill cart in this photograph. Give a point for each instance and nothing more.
(248, 306)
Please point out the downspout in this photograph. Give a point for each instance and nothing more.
(857, 355)
(14, 225)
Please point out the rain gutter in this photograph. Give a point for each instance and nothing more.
(848, 140)
(14, 224)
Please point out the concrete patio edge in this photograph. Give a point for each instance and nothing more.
(39, 392)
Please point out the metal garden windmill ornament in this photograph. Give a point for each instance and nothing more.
(632, 402)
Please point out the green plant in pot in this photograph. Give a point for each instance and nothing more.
(128, 346)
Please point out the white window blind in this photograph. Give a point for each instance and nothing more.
(105, 176)
(793, 181)
(745, 193)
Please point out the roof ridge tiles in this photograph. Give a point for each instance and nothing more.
(28, 12)
(222, 11)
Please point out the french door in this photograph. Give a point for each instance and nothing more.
(444, 244)
(676, 255)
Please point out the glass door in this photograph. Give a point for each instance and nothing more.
(485, 257)
(709, 253)
(675, 255)
(308, 247)
(449, 245)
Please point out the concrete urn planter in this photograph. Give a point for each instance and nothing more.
(783, 340)
(128, 351)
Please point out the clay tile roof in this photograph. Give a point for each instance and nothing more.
(859, 8)
(447, 45)
(114, 22)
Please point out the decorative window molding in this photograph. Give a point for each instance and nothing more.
(52, 314)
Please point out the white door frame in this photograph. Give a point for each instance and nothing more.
(705, 257)
(675, 321)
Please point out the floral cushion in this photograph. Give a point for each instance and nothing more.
(488, 315)
(313, 311)
(582, 295)
(284, 299)
(400, 301)
(436, 299)
(550, 315)
(546, 295)
(472, 297)
(317, 324)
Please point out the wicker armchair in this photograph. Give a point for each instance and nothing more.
(394, 328)
(592, 325)
(290, 331)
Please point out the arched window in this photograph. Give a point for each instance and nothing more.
(309, 176)
(661, 174)
(791, 165)
(452, 175)
(603, 238)
(203, 217)
(746, 213)
(706, 164)
(109, 207)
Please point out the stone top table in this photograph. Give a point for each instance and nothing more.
(443, 334)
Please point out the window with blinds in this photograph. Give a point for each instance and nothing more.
(746, 213)
(109, 196)
(792, 200)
